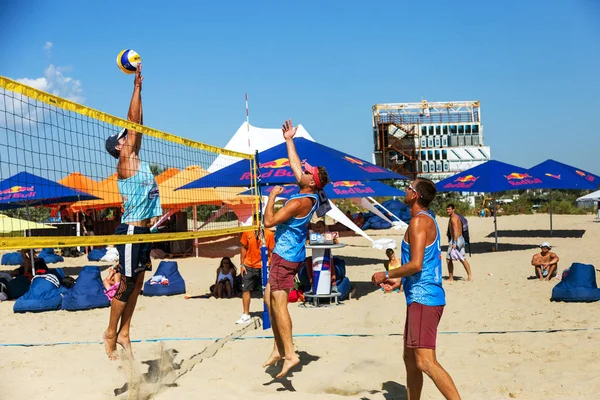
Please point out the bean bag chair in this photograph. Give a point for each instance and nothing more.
(43, 295)
(578, 284)
(12, 259)
(49, 256)
(344, 288)
(96, 254)
(87, 293)
(17, 287)
(168, 270)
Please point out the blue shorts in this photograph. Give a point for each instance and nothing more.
(133, 257)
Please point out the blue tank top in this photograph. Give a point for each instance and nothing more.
(425, 287)
(140, 196)
(290, 236)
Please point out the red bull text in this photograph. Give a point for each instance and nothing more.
(17, 192)
(518, 179)
(462, 182)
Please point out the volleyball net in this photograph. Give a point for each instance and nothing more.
(59, 185)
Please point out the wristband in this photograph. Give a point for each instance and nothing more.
(387, 274)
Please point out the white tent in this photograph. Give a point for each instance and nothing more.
(248, 139)
(591, 198)
(594, 196)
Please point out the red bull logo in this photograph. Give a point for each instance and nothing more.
(463, 182)
(552, 176)
(518, 179)
(517, 176)
(347, 184)
(279, 163)
(354, 160)
(17, 192)
(467, 178)
(17, 189)
(587, 177)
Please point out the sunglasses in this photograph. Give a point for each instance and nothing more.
(413, 189)
(307, 172)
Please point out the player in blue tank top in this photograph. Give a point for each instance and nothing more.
(290, 249)
(141, 203)
(421, 274)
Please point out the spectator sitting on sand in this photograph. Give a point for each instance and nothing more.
(545, 262)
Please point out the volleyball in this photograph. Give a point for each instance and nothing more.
(128, 60)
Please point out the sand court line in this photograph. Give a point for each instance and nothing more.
(299, 335)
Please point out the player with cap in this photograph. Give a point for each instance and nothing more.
(545, 262)
(141, 206)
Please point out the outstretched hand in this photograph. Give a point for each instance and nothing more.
(288, 129)
(137, 80)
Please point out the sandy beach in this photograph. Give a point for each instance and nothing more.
(350, 351)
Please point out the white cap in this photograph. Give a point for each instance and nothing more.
(546, 244)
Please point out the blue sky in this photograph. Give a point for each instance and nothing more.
(532, 64)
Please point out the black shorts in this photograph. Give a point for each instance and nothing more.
(252, 279)
(133, 257)
(126, 286)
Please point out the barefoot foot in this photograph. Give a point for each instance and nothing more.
(273, 359)
(110, 346)
(288, 365)
(125, 343)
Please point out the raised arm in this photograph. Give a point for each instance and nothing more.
(135, 114)
(290, 210)
(295, 164)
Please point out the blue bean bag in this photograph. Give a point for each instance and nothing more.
(344, 288)
(578, 284)
(49, 256)
(43, 295)
(12, 259)
(17, 287)
(96, 254)
(87, 293)
(176, 284)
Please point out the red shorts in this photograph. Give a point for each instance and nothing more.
(420, 329)
(282, 273)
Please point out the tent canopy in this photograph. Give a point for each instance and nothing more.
(557, 175)
(25, 189)
(344, 190)
(249, 139)
(275, 168)
(108, 191)
(78, 181)
(172, 199)
(166, 174)
(9, 224)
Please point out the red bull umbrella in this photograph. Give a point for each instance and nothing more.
(25, 189)
(275, 168)
(562, 176)
(490, 177)
(344, 190)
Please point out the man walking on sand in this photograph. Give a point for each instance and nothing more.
(421, 274)
(456, 245)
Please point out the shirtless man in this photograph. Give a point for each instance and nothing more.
(456, 247)
(545, 262)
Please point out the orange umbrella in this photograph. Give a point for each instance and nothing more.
(178, 199)
(78, 181)
(166, 174)
(107, 190)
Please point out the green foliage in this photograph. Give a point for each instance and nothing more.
(157, 169)
(438, 205)
(36, 214)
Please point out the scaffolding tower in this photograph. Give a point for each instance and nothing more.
(429, 139)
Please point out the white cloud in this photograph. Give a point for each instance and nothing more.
(48, 46)
(56, 82)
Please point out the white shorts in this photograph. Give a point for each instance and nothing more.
(457, 254)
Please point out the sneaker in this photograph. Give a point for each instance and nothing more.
(244, 319)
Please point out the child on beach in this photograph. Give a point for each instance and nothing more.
(111, 282)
